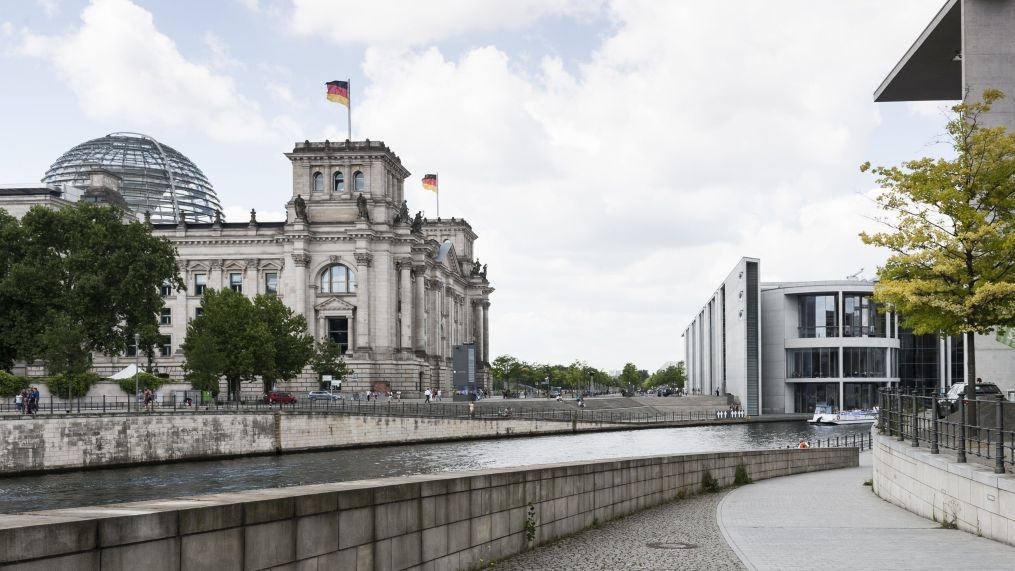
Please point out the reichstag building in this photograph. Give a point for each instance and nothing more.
(398, 292)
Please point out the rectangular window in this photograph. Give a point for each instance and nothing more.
(166, 317)
(166, 289)
(199, 312)
(818, 316)
(236, 282)
(864, 362)
(338, 331)
(200, 281)
(132, 348)
(271, 283)
(166, 346)
(818, 362)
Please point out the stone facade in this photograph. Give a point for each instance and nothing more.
(398, 293)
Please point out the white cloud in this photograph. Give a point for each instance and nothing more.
(221, 59)
(395, 22)
(119, 65)
(50, 7)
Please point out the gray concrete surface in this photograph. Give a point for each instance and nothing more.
(680, 535)
(829, 519)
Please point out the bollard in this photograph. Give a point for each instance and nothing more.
(961, 456)
(935, 428)
(902, 432)
(103, 403)
(999, 461)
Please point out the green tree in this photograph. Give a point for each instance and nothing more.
(506, 369)
(228, 340)
(952, 263)
(629, 376)
(76, 281)
(293, 346)
(672, 376)
(328, 360)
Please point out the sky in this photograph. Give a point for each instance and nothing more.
(615, 157)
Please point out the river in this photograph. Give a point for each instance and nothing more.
(187, 479)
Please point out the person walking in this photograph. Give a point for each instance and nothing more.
(426, 396)
(19, 402)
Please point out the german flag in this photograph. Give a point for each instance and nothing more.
(430, 182)
(338, 91)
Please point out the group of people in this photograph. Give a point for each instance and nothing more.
(433, 395)
(148, 397)
(27, 401)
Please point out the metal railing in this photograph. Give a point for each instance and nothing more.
(979, 428)
(388, 407)
(863, 441)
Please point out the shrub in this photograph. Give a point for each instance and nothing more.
(708, 482)
(11, 385)
(75, 384)
(144, 381)
(741, 478)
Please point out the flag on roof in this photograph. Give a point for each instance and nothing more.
(338, 91)
(430, 182)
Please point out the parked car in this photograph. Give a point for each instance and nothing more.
(948, 403)
(279, 397)
(324, 395)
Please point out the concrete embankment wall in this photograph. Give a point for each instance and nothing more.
(435, 522)
(37, 444)
(935, 486)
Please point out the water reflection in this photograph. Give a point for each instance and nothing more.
(72, 489)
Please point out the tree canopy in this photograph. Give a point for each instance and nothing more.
(78, 280)
(242, 339)
(673, 376)
(952, 263)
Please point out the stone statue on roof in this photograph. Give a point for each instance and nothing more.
(417, 222)
(361, 205)
(300, 206)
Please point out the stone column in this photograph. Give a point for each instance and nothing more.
(407, 307)
(486, 331)
(300, 262)
(250, 281)
(477, 328)
(363, 262)
(418, 334)
(215, 275)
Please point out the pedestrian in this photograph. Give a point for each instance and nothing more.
(19, 402)
(803, 444)
(33, 400)
(472, 409)
(440, 395)
(426, 396)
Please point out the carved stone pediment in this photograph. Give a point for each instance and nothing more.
(334, 304)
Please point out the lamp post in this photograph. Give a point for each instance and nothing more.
(137, 351)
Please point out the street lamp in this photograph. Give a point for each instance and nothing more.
(137, 351)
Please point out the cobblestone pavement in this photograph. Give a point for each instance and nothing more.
(625, 543)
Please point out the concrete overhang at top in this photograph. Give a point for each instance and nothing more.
(932, 68)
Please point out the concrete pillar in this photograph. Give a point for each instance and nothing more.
(215, 275)
(300, 262)
(407, 307)
(363, 262)
(418, 333)
(486, 331)
(250, 279)
(477, 328)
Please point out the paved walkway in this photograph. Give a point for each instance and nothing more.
(826, 520)
(821, 520)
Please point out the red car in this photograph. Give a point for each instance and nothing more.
(279, 397)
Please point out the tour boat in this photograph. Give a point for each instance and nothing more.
(823, 414)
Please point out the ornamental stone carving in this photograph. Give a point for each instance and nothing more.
(364, 259)
(216, 264)
(301, 260)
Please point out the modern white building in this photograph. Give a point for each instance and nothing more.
(397, 292)
(784, 347)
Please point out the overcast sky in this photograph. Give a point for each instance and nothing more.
(616, 157)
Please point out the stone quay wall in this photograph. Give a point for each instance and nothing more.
(39, 444)
(935, 486)
(433, 522)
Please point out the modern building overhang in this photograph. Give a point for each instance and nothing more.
(932, 68)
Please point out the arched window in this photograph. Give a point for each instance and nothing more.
(339, 182)
(357, 179)
(318, 182)
(338, 279)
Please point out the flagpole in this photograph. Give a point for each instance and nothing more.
(348, 82)
(438, 195)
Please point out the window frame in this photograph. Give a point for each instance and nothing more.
(330, 288)
(359, 183)
(338, 182)
(236, 285)
(317, 182)
(166, 345)
(268, 287)
(166, 316)
(200, 283)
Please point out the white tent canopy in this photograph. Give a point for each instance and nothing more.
(127, 373)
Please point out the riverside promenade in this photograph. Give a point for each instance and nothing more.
(818, 520)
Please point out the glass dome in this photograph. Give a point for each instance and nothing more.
(156, 178)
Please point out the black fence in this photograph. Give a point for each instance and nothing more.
(388, 407)
(861, 441)
(978, 428)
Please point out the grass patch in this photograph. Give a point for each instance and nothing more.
(741, 477)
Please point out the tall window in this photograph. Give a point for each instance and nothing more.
(166, 346)
(318, 185)
(339, 182)
(357, 179)
(864, 362)
(818, 316)
(271, 283)
(338, 331)
(200, 281)
(818, 362)
(338, 279)
(166, 289)
(166, 317)
(236, 282)
(860, 317)
(132, 348)
(198, 312)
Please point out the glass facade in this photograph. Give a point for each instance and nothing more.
(155, 178)
(818, 316)
(860, 395)
(815, 362)
(864, 362)
(918, 360)
(860, 317)
(807, 395)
